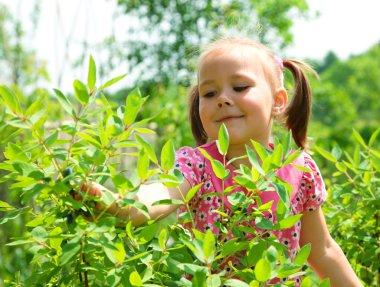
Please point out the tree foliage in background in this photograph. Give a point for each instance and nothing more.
(346, 97)
(169, 33)
(353, 206)
(18, 62)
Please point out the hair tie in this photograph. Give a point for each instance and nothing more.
(279, 62)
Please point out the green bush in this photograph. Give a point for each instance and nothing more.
(66, 242)
(353, 211)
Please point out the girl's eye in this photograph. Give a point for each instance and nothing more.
(240, 89)
(209, 94)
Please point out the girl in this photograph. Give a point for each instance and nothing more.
(240, 84)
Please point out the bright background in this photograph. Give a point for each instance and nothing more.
(344, 27)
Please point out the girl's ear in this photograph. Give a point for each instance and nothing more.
(280, 101)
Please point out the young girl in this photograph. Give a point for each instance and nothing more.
(240, 84)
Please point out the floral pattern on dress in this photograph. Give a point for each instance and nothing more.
(308, 194)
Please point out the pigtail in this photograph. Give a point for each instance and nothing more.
(299, 110)
(199, 133)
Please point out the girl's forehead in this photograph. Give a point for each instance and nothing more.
(231, 57)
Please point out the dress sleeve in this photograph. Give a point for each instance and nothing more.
(312, 186)
(191, 164)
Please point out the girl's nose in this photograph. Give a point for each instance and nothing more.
(224, 100)
(222, 103)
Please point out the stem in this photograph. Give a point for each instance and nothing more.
(84, 262)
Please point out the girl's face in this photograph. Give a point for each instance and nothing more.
(234, 90)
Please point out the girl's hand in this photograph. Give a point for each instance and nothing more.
(94, 189)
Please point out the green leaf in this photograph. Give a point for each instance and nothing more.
(70, 250)
(135, 279)
(91, 77)
(169, 180)
(223, 140)
(19, 242)
(302, 254)
(167, 202)
(147, 147)
(237, 198)
(167, 156)
(281, 210)
(205, 154)
(192, 268)
(292, 157)
(199, 279)
(219, 169)
(55, 240)
(15, 152)
(208, 245)
(111, 82)
(51, 139)
(325, 154)
(190, 194)
(4, 206)
(147, 233)
(120, 253)
(35, 106)
(325, 283)
(306, 282)
(132, 106)
(262, 270)
(287, 269)
(359, 138)
(301, 167)
(11, 99)
(213, 280)
(281, 191)
(28, 169)
(137, 204)
(65, 103)
(255, 252)
(253, 160)
(235, 283)
(245, 182)
(287, 140)
(260, 150)
(107, 197)
(14, 214)
(162, 237)
(90, 139)
(373, 137)
(289, 221)
(143, 165)
(80, 91)
(266, 206)
(277, 155)
(263, 223)
(39, 233)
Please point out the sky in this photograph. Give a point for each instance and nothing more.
(344, 27)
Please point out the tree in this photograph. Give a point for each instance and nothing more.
(163, 45)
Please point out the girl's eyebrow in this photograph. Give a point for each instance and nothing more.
(245, 76)
(236, 76)
(206, 82)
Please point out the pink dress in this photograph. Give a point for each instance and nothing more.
(308, 192)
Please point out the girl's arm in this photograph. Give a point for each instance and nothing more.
(147, 195)
(326, 258)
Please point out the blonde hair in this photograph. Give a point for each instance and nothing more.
(296, 115)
